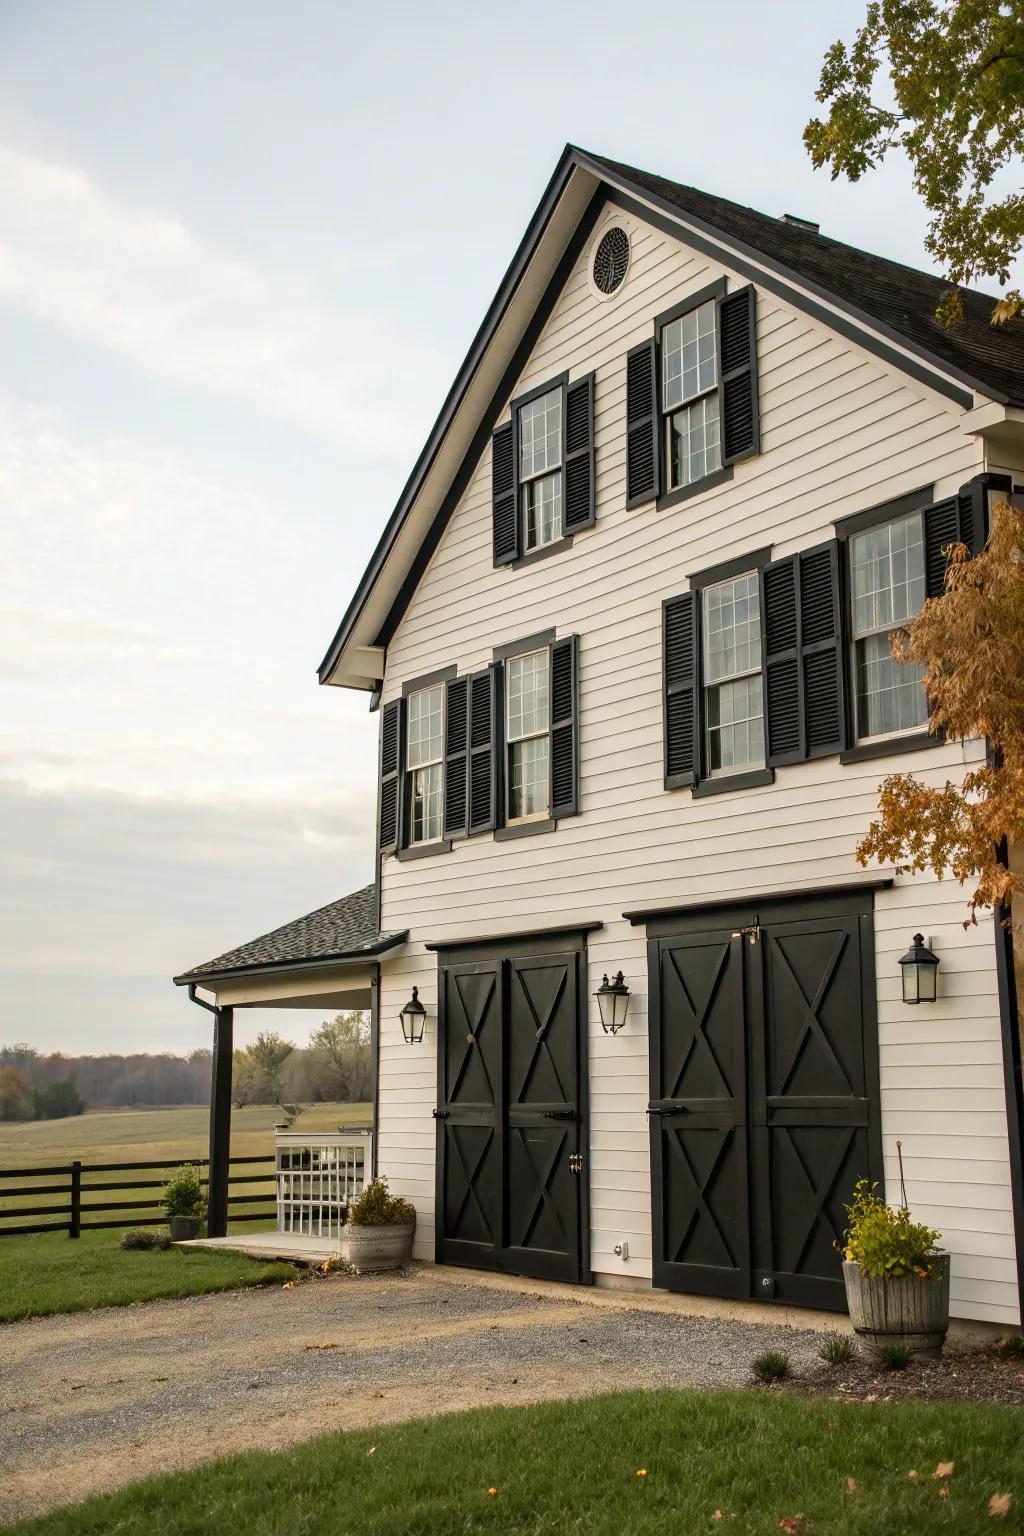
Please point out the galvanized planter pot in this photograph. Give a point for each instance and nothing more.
(184, 1228)
(906, 1309)
(372, 1248)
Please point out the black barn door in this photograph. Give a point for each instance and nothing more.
(511, 1113)
(764, 1098)
(698, 1116)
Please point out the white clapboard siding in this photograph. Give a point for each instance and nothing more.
(840, 432)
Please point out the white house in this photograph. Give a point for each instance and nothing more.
(627, 632)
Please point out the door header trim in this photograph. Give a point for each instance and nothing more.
(530, 935)
(730, 903)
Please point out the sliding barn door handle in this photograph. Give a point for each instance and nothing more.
(559, 1114)
(441, 1114)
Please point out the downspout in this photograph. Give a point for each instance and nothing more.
(220, 1114)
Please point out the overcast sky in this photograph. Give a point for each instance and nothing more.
(243, 249)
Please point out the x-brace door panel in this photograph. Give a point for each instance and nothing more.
(470, 1129)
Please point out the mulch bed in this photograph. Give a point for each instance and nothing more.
(959, 1375)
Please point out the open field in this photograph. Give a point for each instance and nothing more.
(635, 1462)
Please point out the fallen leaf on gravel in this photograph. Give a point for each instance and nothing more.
(159, 1378)
(913, 1477)
(289, 1285)
(640, 1472)
(492, 1493)
(943, 1471)
(376, 1394)
(792, 1525)
(851, 1485)
(1000, 1504)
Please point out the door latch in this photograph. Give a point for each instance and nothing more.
(751, 933)
(575, 1162)
(440, 1114)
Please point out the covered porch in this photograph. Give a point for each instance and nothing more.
(328, 959)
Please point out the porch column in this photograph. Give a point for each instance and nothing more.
(220, 1123)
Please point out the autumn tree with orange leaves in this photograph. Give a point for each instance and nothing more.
(971, 643)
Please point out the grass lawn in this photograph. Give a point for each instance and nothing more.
(562, 1467)
(40, 1275)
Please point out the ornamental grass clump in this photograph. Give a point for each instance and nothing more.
(836, 1349)
(883, 1240)
(896, 1356)
(770, 1365)
(378, 1207)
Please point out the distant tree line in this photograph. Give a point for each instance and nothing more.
(333, 1067)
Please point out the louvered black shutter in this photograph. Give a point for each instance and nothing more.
(960, 519)
(642, 478)
(504, 495)
(821, 651)
(456, 755)
(782, 672)
(390, 775)
(564, 729)
(681, 681)
(579, 455)
(737, 355)
(483, 694)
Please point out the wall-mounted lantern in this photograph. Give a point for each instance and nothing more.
(413, 1017)
(920, 972)
(613, 1003)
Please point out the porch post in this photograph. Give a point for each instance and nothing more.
(220, 1123)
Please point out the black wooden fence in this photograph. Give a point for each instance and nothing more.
(86, 1189)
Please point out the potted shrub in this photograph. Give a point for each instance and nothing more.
(184, 1203)
(378, 1233)
(897, 1282)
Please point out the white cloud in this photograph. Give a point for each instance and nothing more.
(141, 284)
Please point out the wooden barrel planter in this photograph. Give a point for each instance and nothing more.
(372, 1248)
(901, 1309)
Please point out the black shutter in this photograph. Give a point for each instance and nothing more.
(579, 455)
(782, 673)
(504, 494)
(456, 755)
(804, 666)
(642, 478)
(483, 734)
(390, 775)
(960, 519)
(737, 357)
(681, 683)
(564, 728)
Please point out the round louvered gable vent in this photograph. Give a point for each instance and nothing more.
(611, 260)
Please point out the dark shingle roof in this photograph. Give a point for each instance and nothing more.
(342, 930)
(900, 297)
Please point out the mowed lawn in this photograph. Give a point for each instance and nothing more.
(734, 1462)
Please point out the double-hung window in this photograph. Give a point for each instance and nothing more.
(689, 396)
(424, 759)
(733, 703)
(527, 726)
(887, 587)
(540, 469)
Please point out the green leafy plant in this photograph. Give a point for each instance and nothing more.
(1011, 1348)
(378, 1207)
(896, 1356)
(883, 1240)
(145, 1238)
(183, 1193)
(770, 1365)
(836, 1349)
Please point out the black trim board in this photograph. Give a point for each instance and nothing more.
(535, 642)
(558, 382)
(754, 778)
(423, 850)
(510, 832)
(533, 937)
(699, 905)
(1009, 1022)
(893, 746)
(429, 680)
(715, 290)
(885, 511)
(374, 1067)
(726, 569)
(669, 499)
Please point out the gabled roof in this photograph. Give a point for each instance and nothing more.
(881, 305)
(343, 930)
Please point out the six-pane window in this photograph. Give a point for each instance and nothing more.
(423, 759)
(527, 721)
(887, 587)
(733, 708)
(689, 396)
(540, 472)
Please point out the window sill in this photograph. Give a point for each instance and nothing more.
(685, 492)
(424, 850)
(533, 555)
(920, 741)
(755, 779)
(524, 829)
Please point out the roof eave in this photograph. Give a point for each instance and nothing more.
(343, 958)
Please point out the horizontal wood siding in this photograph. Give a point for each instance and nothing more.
(839, 433)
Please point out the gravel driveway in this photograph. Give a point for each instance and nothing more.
(91, 1400)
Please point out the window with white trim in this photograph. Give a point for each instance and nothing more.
(733, 700)
(887, 587)
(689, 396)
(424, 757)
(540, 469)
(527, 721)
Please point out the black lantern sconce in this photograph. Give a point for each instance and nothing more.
(613, 1003)
(413, 1017)
(920, 972)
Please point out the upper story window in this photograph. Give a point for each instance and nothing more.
(689, 396)
(540, 469)
(528, 721)
(887, 587)
(424, 758)
(733, 705)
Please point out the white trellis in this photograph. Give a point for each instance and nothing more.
(318, 1173)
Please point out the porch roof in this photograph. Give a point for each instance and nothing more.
(343, 932)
